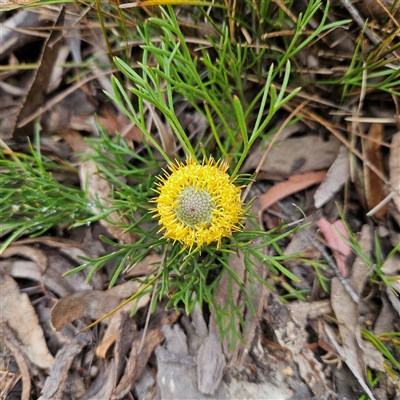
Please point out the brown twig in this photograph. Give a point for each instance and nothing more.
(360, 21)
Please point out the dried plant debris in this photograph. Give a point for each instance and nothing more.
(37, 89)
(336, 177)
(301, 99)
(24, 322)
(374, 187)
(296, 155)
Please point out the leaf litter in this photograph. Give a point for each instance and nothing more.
(44, 313)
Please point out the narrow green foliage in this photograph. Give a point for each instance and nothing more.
(32, 201)
(212, 78)
(318, 267)
(391, 363)
(375, 70)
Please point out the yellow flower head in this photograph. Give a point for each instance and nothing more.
(198, 203)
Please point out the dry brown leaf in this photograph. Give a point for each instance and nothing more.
(355, 368)
(107, 342)
(336, 177)
(89, 303)
(387, 317)
(32, 253)
(58, 70)
(374, 187)
(356, 352)
(60, 285)
(296, 155)
(73, 111)
(113, 329)
(11, 342)
(335, 235)
(127, 333)
(23, 269)
(52, 241)
(137, 361)
(394, 168)
(38, 88)
(16, 309)
(294, 184)
(360, 272)
(55, 383)
(301, 311)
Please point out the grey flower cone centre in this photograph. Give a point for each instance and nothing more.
(194, 207)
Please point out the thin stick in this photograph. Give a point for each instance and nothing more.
(360, 21)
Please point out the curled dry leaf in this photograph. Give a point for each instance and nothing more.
(51, 241)
(374, 187)
(90, 303)
(32, 253)
(336, 177)
(23, 321)
(41, 79)
(113, 328)
(335, 235)
(11, 342)
(294, 184)
(23, 269)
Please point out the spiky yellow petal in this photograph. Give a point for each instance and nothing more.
(198, 203)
